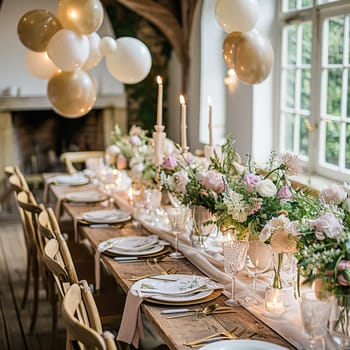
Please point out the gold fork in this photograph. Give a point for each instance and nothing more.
(223, 334)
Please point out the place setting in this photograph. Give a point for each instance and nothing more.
(134, 248)
(105, 217)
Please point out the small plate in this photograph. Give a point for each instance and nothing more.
(242, 344)
(86, 197)
(112, 216)
(137, 243)
(72, 180)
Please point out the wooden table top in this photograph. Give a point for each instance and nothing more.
(175, 332)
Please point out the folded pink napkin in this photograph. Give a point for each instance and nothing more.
(131, 327)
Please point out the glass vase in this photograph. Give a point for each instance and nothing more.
(340, 321)
(201, 228)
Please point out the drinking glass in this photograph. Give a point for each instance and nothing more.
(177, 219)
(259, 259)
(201, 228)
(153, 198)
(235, 253)
(315, 311)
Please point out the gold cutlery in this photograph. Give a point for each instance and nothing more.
(223, 334)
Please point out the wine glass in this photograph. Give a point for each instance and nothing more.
(235, 253)
(259, 259)
(177, 219)
(153, 198)
(315, 311)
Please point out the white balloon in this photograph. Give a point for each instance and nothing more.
(236, 15)
(131, 62)
(68, 50)
(40, 65)
(107, 45)
(95, 55)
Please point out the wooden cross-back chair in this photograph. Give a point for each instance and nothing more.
(30, 210)
(59, 260)
(69, 158)
(84, 333)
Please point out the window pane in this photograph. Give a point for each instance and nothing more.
(335, 40)
(332, 142)
(289, 141)
(306, 43)
(306, 3)
(290, 93)
(348, 99)
(291, 44)
(334, 90)
(303, 146)
(305, 88)
(292, 4)
(347, 153)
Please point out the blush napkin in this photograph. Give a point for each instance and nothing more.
(131, 327)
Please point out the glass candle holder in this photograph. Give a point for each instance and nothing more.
(274, 302)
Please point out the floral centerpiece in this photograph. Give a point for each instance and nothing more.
(135, 152)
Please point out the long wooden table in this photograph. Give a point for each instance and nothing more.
(175, 332)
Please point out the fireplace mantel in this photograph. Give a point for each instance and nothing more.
(27, 103)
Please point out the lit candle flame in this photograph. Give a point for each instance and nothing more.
(159, 80)
(73, 14)
(182, 99)
(209, 101)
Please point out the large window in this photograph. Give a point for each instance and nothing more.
(315, 84)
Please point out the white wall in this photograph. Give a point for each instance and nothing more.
(13, 71)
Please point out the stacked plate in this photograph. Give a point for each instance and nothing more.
(137, 246)
(86, 197)
(242, 344)
(177, 289)
(70, 180)
(108, 216)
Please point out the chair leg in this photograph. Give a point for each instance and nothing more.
(54, 302)
(28, 273)
(36, 286)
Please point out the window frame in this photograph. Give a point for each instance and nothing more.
(317, 14)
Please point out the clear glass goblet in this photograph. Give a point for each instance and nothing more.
(259, 260)
(177, 219)
(201, 216)
(235, 253)
(153, 198)
(315, 312)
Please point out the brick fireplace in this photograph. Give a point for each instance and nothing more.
(33, 136)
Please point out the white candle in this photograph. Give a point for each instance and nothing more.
(210, 125)
(159, 101)
(183, 125)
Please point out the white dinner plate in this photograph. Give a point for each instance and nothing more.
(170, 294)
(72, 180)
(151, 250)
(242, 344)
(106, 216)
(85, 197)
(137, 243)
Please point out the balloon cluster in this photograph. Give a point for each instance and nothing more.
(63, 49)
(245, 50)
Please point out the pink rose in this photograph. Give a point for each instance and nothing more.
(251, 181)
(333, 194)
(342, 281)
(214, 181)
(169, 163)
(327, 225)
(122, 162)
(284, 193)
(135, 140)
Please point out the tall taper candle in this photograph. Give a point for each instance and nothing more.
(210, 125)
(183, 125)
(160, 101)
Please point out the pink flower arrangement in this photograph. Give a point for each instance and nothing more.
(213, 180)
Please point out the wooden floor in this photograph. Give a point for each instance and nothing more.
(14, 321)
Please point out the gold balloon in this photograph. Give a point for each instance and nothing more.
(36, 28)
(72, 94)
(227, 48)
(252, 56)
(81, 16)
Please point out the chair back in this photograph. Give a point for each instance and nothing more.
(69, 158)
(84, 334)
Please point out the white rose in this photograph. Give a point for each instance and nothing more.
(180, 181)
(266, 188)
(265, 233)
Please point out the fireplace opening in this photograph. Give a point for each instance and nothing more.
(42, 136)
